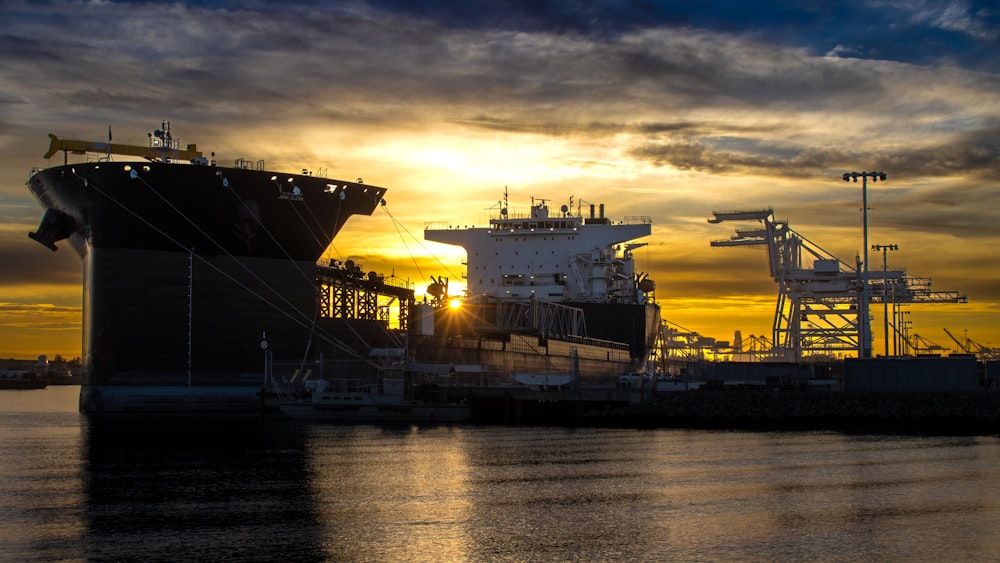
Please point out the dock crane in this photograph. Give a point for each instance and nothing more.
(982, 353)
(963, 347)
(920, 344)
(819, 294)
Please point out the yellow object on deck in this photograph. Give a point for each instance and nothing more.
(152, 153)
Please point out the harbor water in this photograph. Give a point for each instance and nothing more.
(284, 491)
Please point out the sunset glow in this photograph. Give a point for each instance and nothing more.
(660, 113)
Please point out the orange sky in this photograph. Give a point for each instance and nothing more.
(438, 178)
(664, 121)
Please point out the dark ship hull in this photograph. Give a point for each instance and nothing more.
(195, 277)
(619, 337)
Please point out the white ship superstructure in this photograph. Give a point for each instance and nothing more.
(561, 257)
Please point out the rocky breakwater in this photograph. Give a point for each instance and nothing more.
(977, 412)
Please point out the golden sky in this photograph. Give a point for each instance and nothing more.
(667, 112)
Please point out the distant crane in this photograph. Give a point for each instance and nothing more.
(819, 295)
(760, 347)
(679, 343)
(927, 345)
(983, 353)
(963, 347)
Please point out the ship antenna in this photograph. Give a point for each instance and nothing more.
(505, 204)
(169, 142)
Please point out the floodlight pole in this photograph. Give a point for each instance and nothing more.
(885, 248)
(864, 322)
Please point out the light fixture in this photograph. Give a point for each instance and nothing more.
(864, 325)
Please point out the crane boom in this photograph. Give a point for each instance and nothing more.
(819, 294)
(961, 346)
(151, 153)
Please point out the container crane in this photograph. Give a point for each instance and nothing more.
(819, 295)
(982, 353)
(918, 343)
(963, 347)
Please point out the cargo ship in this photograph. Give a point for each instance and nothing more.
(554, 317)
(548, 293)
(195, 275)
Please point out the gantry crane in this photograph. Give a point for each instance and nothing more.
(819, 294)
(982, 353)
(920, 345)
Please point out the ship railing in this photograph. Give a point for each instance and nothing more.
(479, 342)
(596, 342)
(442, 226)
(637, 220)
(522, 217)
(518, 222)
(247, 164)
(393, 281)
(326, 273)
(511, 215)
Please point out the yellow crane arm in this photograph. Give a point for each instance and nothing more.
(152, 153)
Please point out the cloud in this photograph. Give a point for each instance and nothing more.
(665, 109)
(974, 153)
(38, 265)
(20, 310)
(962, 17)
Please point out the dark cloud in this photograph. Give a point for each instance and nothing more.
(973, 153)
(30, 263)
(281, 65)
(269, 59)
(22, 308)
(674, 107)
(547, 128)
(985, 289)
(915, 32)
(23, 52)
(961, 211)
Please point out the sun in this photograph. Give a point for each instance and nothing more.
(455, 303)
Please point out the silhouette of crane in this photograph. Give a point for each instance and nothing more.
(819, 294)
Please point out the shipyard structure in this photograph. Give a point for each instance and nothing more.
(204, 291)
